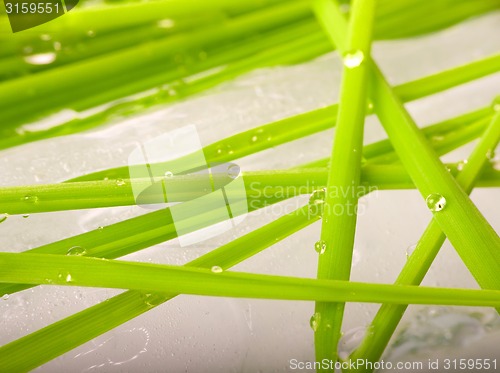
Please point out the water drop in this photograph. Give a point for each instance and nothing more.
(461, 165)
(320, 247)
(41, 58)
(353, 59)
(152, 300)
(91, 33)
(45, 37)
(30, 199)
(224, 149)
(435, 202)
(410, 250)
(233, 171)
(5, 296)
(315, 321)
(369, 106)
(77, 250)
(120, 182)
(216, 269)
(3, 217)
(169, 174)
(259, 135)
(100, 228)
(317, 202)
(69, 278)
(26, 216)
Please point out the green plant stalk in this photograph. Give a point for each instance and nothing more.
(452, 133)
(182, 82)
(338, 230)
(475, 240)
(106, 18)
(138, 233)
(38, 269)
(104, 92)
(156, 227)
(443, 144)
(388, 317)
(45, 344)
(15, 66)
(240, 145)
(50, 342)
(47, 83)
(109, 193)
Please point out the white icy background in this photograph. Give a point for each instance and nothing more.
(201, 334)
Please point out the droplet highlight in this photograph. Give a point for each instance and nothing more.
(217, 269)
(317, 202)
(435, 202)
(233, 171)
(30, 199)
(353, 59)
(40, 58)
(77, 250)
(320, 247)
(315, 321)
(410, 250)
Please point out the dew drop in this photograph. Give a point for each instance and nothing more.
(3, 217)
(69, 278)
(320, 247)
(317, 202)
(40, 58)
(224, 149)
(315, 321)
(5, 296)
(169, 174)
(259, 135)
(26, 216)
(410, 250)
(91, 33)
(435, 202)
(353, 59)
(369, 106)
(120, 182)
(30, 199)
(216, 269)
(461, 165)
(233, 171)
(152, 300)
(77, 250)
